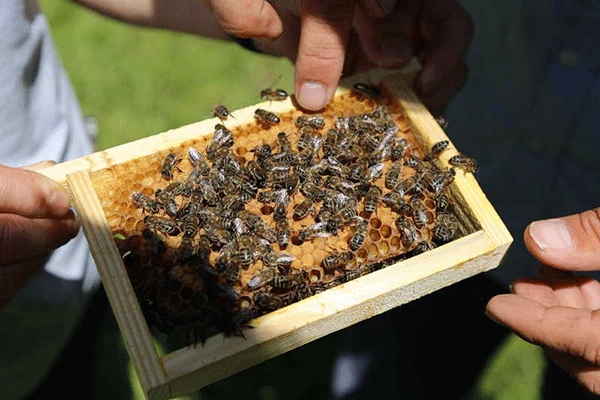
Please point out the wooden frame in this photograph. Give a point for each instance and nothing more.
(190, 369)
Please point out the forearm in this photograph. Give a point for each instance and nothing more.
(189, 16)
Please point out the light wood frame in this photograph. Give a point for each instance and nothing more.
(189, 368)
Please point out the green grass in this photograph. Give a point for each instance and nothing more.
(138, 82)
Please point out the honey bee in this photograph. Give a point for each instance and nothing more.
(408, 232)
(419, 217)
(169, 164)
(367, 142)
(406, 185)
(310, 232)
(280, 212)
(163, 225)
(329, 142)
(336, 261)
(424, 246)
(311, 191)
(315, 121)
(154, 243)
(266, 117)
(243, 255)
(365, 90)
(279, 260)
(442, 122)
(267, 301)
(262, 278)
(221, 112)
(391, 179)
(262, 152)
(374, 172)
(173, 189)
(283, 232)
(468, 164)
(414, 163)
(186, 248)
(443, 232)
(371, 200)
(286, 282)
(171, 207)
(334, 224)
(190, 226)
(358, 237)
(396, 202)
(303, 209)
(439, 182)
(437, 149)
(232, 273)
(305, 135)
(273, 94)
(146, 203)
(442, 203)
(265, 232)
(399, 149)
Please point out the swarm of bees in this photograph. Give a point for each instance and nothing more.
(237, 231)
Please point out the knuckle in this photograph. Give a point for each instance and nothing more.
(590, 223)
(594, 386)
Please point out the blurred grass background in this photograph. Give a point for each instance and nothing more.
(138, 82)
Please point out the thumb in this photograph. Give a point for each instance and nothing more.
(569, 243)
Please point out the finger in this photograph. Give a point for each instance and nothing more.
(448, 31)
(321, 52)
(40, 165)
(568, 330)
(569, 243)
(248, 18)
(13, 277)
(21, 237)
(437, 100)
(535, 290)
(565, 285)
(30, 194)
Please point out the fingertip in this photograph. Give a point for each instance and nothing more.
(313, 96)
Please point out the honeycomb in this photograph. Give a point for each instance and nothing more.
(198, 295)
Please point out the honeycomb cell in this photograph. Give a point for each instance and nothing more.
(148, 191)
(314, 275)
(430, 204)
(266, 210)
(373, 251)
(375, 223)
(361, 255)
(374, 235)
(430, 217)
(386, 231)
(186, 293)
(139, 226)
(245, 302)
(395, 243)
(241, 151)
(384, 248)
(114, 219)
(130, 222)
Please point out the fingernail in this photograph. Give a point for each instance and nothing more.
(312, 96)
(550, 234)
(59, 202)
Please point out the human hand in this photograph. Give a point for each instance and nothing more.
(560, 311)
(35, 217)
(326, 38)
